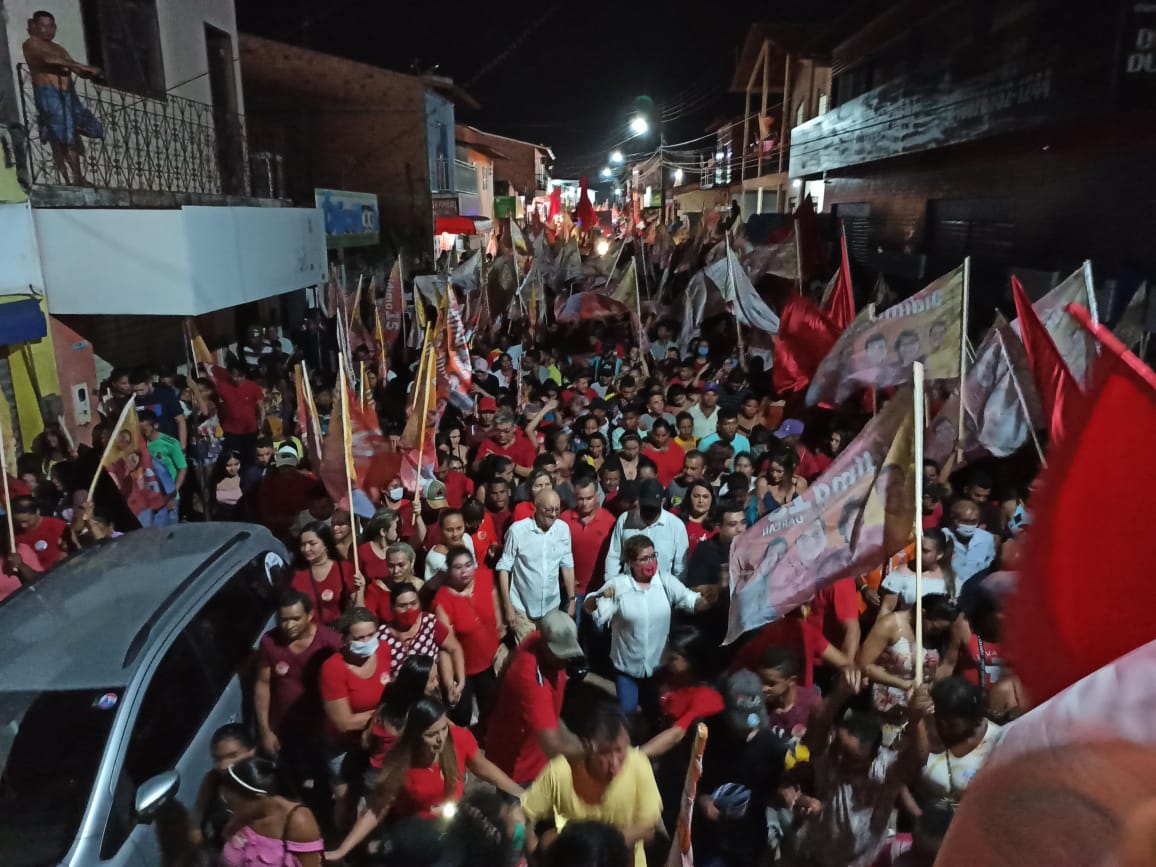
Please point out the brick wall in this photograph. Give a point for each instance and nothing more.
(341, 125)
(516, 166)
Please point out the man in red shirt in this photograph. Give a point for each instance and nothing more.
(525, 727)
(802, 636)
(43, 535)
(242, 409)
(590, 530)
(459, 486)
(506, 441)
(498, 506)
(483, 427)
(664, 451)
(835, 610)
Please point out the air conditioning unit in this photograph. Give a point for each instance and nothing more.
(267, 175)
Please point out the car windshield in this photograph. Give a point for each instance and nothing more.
(51, 744)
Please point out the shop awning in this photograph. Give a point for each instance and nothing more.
(455, 226)
(21, 321)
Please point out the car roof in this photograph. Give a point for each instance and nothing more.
(83, 625)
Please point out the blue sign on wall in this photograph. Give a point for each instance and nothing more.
(351, 219)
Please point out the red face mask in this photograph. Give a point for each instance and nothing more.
(404, 620)
(646, 571)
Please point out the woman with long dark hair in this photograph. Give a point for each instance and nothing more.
(226, 487)
(331, 583)
(416, 679)
(696, 509)
(424, 772)
(266, 828)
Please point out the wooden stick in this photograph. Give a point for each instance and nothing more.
(738, 326)
(1022, 401)
(424, 424)
(963, 356)
(345, 450)
(917, 651)
(798, 258)
(8, 495)
(362, 389)
(1093, 308)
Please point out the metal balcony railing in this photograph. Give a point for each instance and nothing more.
(465, 177)
(170, 144)
(442, 179)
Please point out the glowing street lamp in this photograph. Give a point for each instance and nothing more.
(606, 172)
(678, 176)
(616, 158)
(639, 126)
(602, 247)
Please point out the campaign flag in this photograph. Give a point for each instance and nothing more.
(681, 853)
(569, 263)
(740, 295)
(128, 462)
(779, 260)
(589, 306)
(336, 469)
(555, 203)
(694, 305)
(429, 289)
(393, 307)
(1077, 347)
(455, 373)
(626, 292)
(994, 420)
(584, 212)
(518, 239)
(467, 276)
(924, 327)
(382, 348)
(805, 337)
(1060, 395)
(418, 449)
(201, 352)
(859, 512)
(308, 422)
(840, 306)
(1091, 518)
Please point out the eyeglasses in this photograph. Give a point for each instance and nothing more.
(548, 512)
(652, 558)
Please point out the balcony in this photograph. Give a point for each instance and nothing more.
(465, 178)
(169, 145)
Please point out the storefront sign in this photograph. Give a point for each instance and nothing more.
(351, 219)
(505, 207)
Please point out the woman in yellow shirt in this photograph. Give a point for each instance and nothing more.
(611, 782)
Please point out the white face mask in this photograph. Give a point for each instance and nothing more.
(366, 648)
(965, 531)
(395, 494)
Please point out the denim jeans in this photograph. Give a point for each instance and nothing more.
(635, 693)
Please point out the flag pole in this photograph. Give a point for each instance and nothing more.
(798, 258)
(424, 423)
(421, 367)
(917, 396)
(1091, 290)
(129, 405)
(1019, 396)
(962, 355)
(343, 385)
(362, 389)
(614, 267)
(738, 327)
(680, 845)
(7, 493)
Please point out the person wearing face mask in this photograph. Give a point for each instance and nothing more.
(411, 631)
(396, 500)
(352, 683)
(637, 607)
(974, 548)
(666, 531)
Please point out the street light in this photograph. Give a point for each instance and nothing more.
(678, 176)
(639, 126)
(618, 191)
(617, 158)
(606, 172)
(602, 247)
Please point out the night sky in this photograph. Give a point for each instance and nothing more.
(567, 75)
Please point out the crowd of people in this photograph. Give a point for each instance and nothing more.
(514, 664)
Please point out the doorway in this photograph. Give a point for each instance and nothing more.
(226, 111)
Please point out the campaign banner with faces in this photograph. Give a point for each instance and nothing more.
(855, 515)
(879, 353)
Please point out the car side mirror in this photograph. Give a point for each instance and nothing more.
(154, 793)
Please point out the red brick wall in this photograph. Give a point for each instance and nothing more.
(517, 167)
(340, 125)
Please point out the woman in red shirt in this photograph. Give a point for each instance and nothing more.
(424, 772)
(418, 677)
(413, 631)
(342, 524)
(697, 506)
(352, 683)
(685, 697)
(468, 605)
(333, 585)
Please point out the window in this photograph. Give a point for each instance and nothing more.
(123, 39)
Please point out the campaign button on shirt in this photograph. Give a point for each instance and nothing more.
(327, 595)
(282, 668)
(40, 545)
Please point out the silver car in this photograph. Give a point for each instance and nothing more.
(115, 670)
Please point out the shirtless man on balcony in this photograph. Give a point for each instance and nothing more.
(62, 117)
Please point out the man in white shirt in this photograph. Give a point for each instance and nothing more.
(536, 550)
(974, 547)
(666, 531)
(705, 412)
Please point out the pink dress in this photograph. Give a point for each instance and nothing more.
(247, 848)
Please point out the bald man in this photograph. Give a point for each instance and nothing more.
(537, 550)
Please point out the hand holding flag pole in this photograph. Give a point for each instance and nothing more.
(962, 357)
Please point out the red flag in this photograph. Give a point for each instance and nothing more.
(840, 307)
(1085, 594)
(555, 204)
(1061, 396)
(806, 335)
(585, 210)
